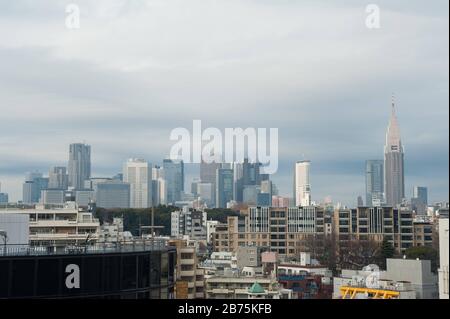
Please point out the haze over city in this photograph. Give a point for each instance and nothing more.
(137, 69)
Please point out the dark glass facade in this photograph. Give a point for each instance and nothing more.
(130, 275)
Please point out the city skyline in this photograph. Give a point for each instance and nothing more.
(390, 138)
(125, 103)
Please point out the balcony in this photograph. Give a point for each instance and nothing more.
(199, 295)
(187, 273)
(186, 261)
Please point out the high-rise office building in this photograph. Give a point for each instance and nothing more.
(251, 173)
(267, 187)
(238, 174)
(250, 194)
(421, 193)
(302, 186)
(208, 172)
(52, 197)
(32, 188)
(159, 191)
(174, 177)
(79, 165)
(94, 181)
(246, 174)
(138, 173)
(359, 201)
(394, 176)
(224, 187)
(58, 178)
(419, 201)
(205, 192)
(374, 182)
(113, 194)
(3, 196)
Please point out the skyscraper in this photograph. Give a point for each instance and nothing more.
(246, 174)
(238, 174)
(394, 176)
(138, 173)
(79, 165)
(208, 175)
(34, 184)
(419, 201)
(113, 194)
(58, 178)
(302, 186)
(174, 177)
(421, 193)
(374, 182)
(224, 187)
(208, 172)
(359, 202)
(3, 196)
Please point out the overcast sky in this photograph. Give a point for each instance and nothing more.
(137, 69)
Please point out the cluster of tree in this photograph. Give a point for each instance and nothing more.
(355, 254)
(134, 218)
(352, 254)
(221, 214)
(424, 253)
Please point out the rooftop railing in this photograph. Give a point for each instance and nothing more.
(138, 245)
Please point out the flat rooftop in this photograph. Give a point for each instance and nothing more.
(97, 248)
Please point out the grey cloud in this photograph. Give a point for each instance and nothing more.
(132, 73)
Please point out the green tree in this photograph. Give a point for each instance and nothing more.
(387, 251)
(424, 253)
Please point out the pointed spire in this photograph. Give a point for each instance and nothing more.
(393, 103)
(393, 131)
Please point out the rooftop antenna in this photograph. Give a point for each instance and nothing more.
(393, 102)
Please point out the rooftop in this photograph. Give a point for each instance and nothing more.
(140, 245)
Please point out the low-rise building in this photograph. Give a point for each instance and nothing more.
(60, 226)
(403, 279)
(190, 278)
(239, 287)
(114, 232)
(423, 232)
(375, 224)
(286, 231)
(189, 222)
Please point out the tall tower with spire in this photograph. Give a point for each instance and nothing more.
(394, 176)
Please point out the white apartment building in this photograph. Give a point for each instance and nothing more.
(443, 253)
(138, 173)
(189, 222)
(210, 229)
(61, 226)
